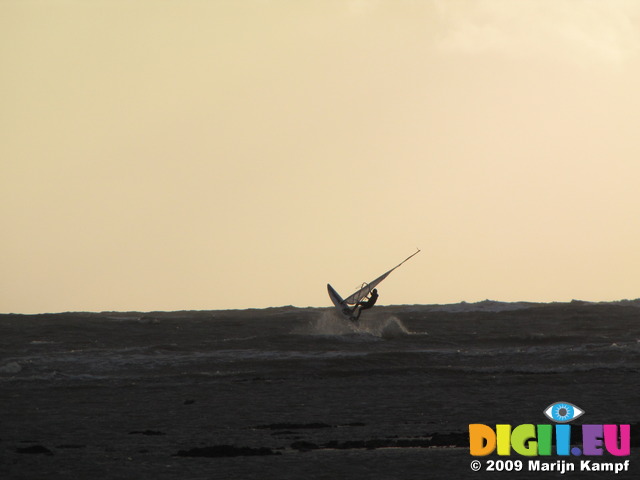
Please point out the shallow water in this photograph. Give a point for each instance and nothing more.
(119, 395)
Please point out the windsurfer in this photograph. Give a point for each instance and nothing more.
(365, 304)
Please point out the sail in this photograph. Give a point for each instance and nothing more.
(367, 287)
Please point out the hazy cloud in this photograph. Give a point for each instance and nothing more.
(584, 30)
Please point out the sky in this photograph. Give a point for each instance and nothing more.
(174, 155)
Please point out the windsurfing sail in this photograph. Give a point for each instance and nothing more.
(367, 287)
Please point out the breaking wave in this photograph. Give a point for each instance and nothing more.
(10, 368)
(378, 326)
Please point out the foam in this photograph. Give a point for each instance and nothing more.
(11, 367)
(379, 326)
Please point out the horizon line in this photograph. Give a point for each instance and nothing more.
(462, 302)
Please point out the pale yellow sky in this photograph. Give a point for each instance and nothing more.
(163, 155)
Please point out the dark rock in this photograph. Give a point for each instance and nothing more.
(189, 402)
(374, 443)
(371, 444)
(292, 426)
(34, 449)
(351, 444)
(450, 440)
(378, 443)
(413, 443)
(146, 432)
(71, 446)
(225, 451)
(303, 446)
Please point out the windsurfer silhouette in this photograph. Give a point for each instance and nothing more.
(359, 297)
(365, 305)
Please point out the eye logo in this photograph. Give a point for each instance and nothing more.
(563, 412)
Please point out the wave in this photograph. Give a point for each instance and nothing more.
(375, 327)
(11, 368)
(546, 369)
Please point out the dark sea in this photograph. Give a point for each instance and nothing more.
(292, 393)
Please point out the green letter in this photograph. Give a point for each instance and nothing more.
(544, 439)
(523, 440)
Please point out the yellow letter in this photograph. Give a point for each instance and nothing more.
(503, 432)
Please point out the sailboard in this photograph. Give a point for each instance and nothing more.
(343, 305)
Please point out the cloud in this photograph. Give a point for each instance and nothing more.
(582, 30)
